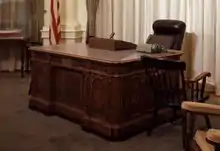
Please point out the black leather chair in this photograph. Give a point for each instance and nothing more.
(168, 33)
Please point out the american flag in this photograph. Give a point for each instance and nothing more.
(54, 31)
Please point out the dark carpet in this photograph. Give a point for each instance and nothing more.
(24, 130)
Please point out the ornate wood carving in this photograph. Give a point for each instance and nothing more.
(110, 99)
(68, 91)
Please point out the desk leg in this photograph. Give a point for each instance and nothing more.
(12, 59)
(27, 59)
(22, 59)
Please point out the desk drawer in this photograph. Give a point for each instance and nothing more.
(40, 56)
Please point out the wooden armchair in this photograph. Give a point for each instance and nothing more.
(169, 88)
(199, 140)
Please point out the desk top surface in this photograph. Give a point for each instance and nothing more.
(11, 38)
(79, 50)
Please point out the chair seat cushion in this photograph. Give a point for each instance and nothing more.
(200, 138)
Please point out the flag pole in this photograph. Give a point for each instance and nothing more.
(112, 19)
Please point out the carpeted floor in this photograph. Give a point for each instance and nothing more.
(24, 130)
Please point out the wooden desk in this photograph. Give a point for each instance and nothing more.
(104, 91)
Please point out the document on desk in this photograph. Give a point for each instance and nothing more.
(144, 48)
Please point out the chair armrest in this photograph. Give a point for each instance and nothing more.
(213, 135)
(201, 108)
(199, 77)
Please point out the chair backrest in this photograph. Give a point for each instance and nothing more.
(168, 33)
(165, 79)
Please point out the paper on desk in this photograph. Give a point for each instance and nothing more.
(146, 48)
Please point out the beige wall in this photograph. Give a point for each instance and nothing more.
(188, 49)
(73, 20)
(189, 55)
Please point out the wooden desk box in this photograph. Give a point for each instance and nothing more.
(104, 91)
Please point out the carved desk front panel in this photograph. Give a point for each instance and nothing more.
(110, 98)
